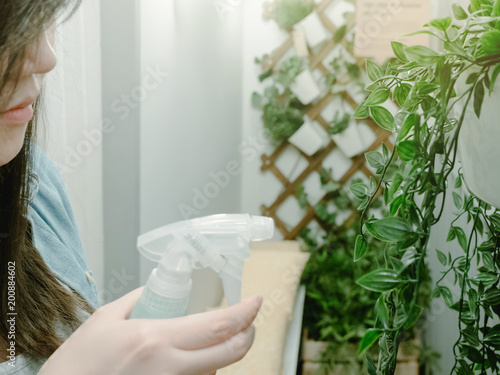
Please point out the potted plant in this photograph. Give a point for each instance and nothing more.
(287, 13)
(284, 115)
(338, 312)
(415, 178)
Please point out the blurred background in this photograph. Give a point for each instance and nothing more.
(151, 121)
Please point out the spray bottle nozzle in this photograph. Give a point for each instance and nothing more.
(220, 242)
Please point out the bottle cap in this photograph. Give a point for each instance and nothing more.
(262, 228)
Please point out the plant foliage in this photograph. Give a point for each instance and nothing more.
(415, 176)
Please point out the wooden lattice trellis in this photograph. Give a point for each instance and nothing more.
(315, 162)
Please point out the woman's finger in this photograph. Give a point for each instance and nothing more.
(199, 331)
(221, 355)
(122, 307)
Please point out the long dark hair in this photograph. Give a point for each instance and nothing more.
(42, 303)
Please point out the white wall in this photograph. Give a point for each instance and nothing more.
(190, 123)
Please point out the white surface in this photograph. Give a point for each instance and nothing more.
(478, 148)
(305, 87)
(350, 141)
(337, 10)
(294, 335)
(313, 29)
(310, 138)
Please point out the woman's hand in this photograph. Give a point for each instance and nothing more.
(199, 344)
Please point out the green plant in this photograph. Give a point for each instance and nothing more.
(415, 176)
(338, 310)
(339, 123)
(289, 12)
(283, 114)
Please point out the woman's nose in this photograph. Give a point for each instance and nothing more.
(40, 55)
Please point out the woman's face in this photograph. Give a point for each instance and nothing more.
(14, 117)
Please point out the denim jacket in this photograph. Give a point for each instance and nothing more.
(56, 237)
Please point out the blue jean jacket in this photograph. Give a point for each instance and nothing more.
(56, 237)
(55, 231)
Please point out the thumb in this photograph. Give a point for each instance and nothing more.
(123, 306)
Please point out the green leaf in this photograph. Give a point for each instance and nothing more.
(389, 229)
(378, 96)
(458, 182)
(495, 220)
(441, 258)
(398, 49)
(265, 75)
(401, 93)
(375, 71)
(459, 12)
(486, 278)
(409, 257)
(396, 203)
(361, 112)
(427, 32)
(380, 280)
(426, 88)
(455, 47)
(422, 55)
(374, 159)
(360, 190)
(396, 183)
(474, 6)
(471, 336)
(462, 238)
(256, 100)
(492, 297)
(472, 301)
(385, 150)
(472, 78)
(488, 261)
(360, 248)
(411, 121)
(493, 337)
(370, 365)
(478, 98)
(494, 77)
(381, 311)
(473, 354)
(490, 42)
(382, 117)
(370, 338)
(413, 316)
(442, 23)
(452, 234)
(271, 92)
(458, 201)
(446, 294)
(340, 34)
(406, 150)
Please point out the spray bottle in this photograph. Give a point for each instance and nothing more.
(220, 242)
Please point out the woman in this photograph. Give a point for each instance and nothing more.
(49, 322)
